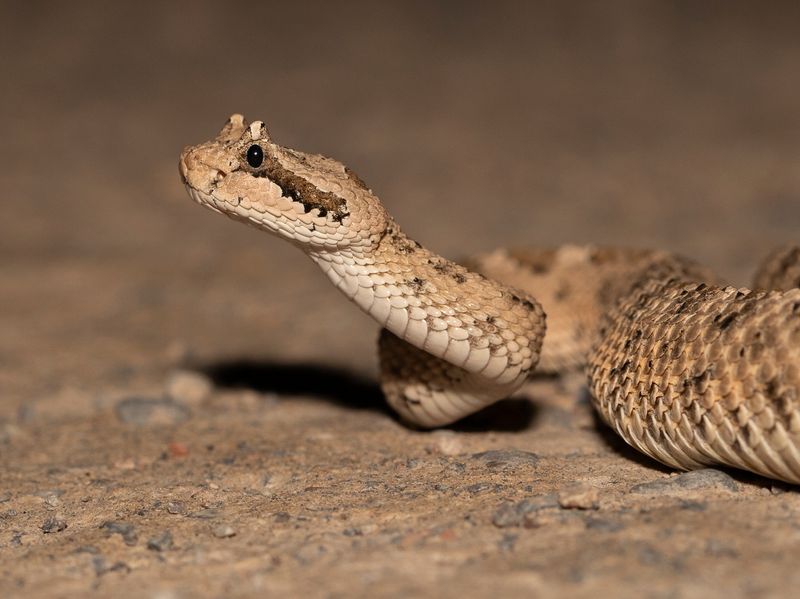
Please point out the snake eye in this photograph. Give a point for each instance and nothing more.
(255, 155)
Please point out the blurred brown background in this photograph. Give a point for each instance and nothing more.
(661, 124)
(640, 123)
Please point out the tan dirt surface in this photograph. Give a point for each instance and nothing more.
(189, 409)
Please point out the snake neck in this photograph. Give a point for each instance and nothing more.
(439, 306)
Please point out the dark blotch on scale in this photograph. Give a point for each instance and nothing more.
(726, 322)
(301, 190)
(527, 303)
(416, 284)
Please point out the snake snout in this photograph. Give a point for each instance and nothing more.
(203, 167)
(183, 167)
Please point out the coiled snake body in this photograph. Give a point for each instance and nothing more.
(687, 371)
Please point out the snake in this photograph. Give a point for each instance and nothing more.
(686, 369)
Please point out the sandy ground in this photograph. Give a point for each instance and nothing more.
(188, 409)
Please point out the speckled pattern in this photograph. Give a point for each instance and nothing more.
(577, 285)
(490, 332)
(780, 270)
(169, 377)
(690, 375)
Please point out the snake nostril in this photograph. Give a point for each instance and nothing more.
(199, 172)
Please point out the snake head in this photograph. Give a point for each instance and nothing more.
(311, 200)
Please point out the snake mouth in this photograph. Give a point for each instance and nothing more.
(204, 199)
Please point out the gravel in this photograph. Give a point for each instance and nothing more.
(54, 524)
(206, 514)
(706, 479)
(223, 531)
(160, 542)
(515, 514)
(502, 459)
(447, 443)
(188, 387)
(176, 507)
(579, 496)
(148, 411)
(125, 529)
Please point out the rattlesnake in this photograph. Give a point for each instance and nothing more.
(686, 370)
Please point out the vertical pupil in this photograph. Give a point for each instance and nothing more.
(255, 156)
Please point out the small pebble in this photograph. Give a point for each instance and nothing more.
(54, 524)
(693, 506)
(447, 443)
(707, 478)
(507, 515)
(176, 507)
(45, 493)
(223, 531)
(521, 513)
(125, 529)
(149, 411)
(352, 532)
(508, 542)
(188, 387)
(604, 525)
(778, 488)
(125, 464)
(503, 459)
(177, 450)
(101, 566)
(160, 542)
(480, 487)
(580, 496)
(543, 518)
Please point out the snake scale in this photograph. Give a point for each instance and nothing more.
(686, 370)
